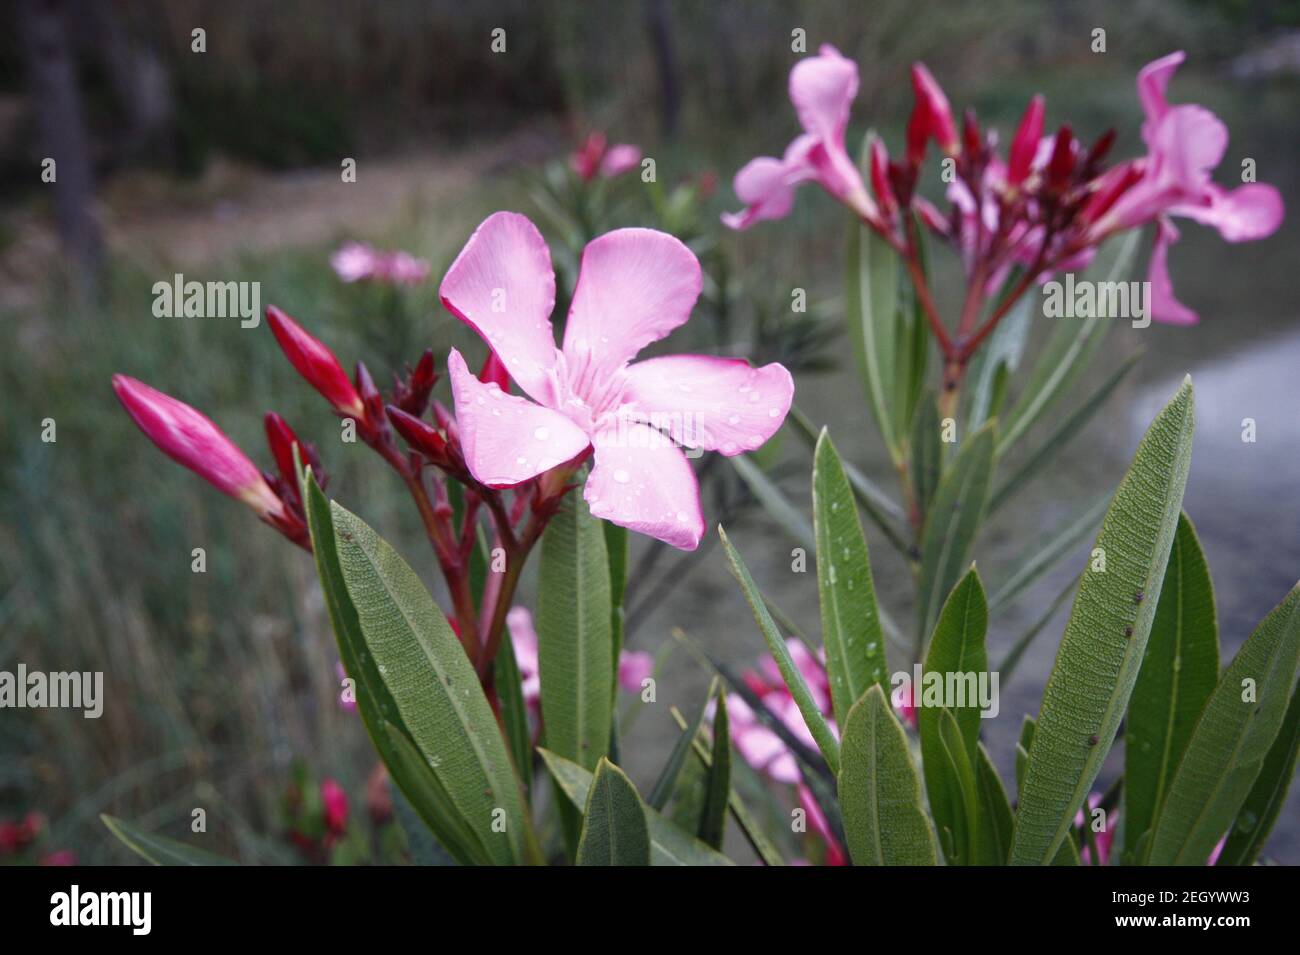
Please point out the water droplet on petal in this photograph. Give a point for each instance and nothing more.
(541, 434)
(621, 476)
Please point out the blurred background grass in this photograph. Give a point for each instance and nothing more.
(217, 683)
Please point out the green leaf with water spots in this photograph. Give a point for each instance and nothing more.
(1106, 636)
(855, 644)
(433, 686)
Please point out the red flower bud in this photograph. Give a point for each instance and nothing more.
(971, 135)
(190, 438)
(419, 434)
(931, 117)
(1025, 143)
(315, 362)
(281, 439)
(413, 394)
(880, 178)
(1061, 164)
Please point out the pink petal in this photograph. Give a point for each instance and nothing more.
(634, 287)
(643, 482)
(523, 638)
(720, 404)
(502, 285)
(620, 159)
(1152, 81)
(633, 667)
(822, 89)
(1189, 142)
(1249, 212)
(507, 439)
(1164, 306)
(763, 186)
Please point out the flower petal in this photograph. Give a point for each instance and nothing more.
(621, 158)
(822, 89)
(634, 287)
(502, 285)
(1249, 212)
(507, 439)
(643, 482)
(1164, 306)
(1152, 81)
(720, 404)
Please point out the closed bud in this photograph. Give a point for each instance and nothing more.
(931, 117)
(880, 178)
(1025, 143)
(315, 362)
(1061, 164)
(190, 439)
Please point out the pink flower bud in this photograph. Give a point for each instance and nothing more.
(190, 438)
(931, 117)
(880, 178)
(316, 363)
(1025, 144)
(335, 803)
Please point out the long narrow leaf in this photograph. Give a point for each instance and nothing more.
(1260, 810)
(1105, 637)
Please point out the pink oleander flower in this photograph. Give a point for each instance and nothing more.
(1185, 143)
(595, 159)
(633, 665)
(822, 88)
(357, 262)
(634, 287)
(190, 439)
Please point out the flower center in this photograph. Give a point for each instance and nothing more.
(586, 393)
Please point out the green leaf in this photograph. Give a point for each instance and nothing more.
(997, 821)
(159, 849)
(794, 681)
(614, 830)
(667, 781)
(1069, 351)
(952, 524)
(713, 819)
(1048, 554)
(1023, 745)
(957, 647)
(999, 357)
(1230, 741)
(774, 501)
(855, 645)
(1104, 640)
(1260, 810)
(575, 660)
(1179, 672)
(871, 298)
(669, 845)
(616, 550)
(926, 453)
(963, 819)
(433, 687)
(880, 792)
(514, 712)
(1061, 435)
(375, 703)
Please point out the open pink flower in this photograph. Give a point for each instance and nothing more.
(358, 262)
(634, 287)
(1185, 143)
(822, 88)
(633, 665)
(190, 438)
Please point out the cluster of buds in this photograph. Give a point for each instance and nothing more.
(316, 818)
(432, 457)
(1045, 208)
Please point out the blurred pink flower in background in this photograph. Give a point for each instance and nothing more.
(335, 805)
(1104, 839)
(633, 665)
(594, 158)
(634, 287)
(358, 262)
